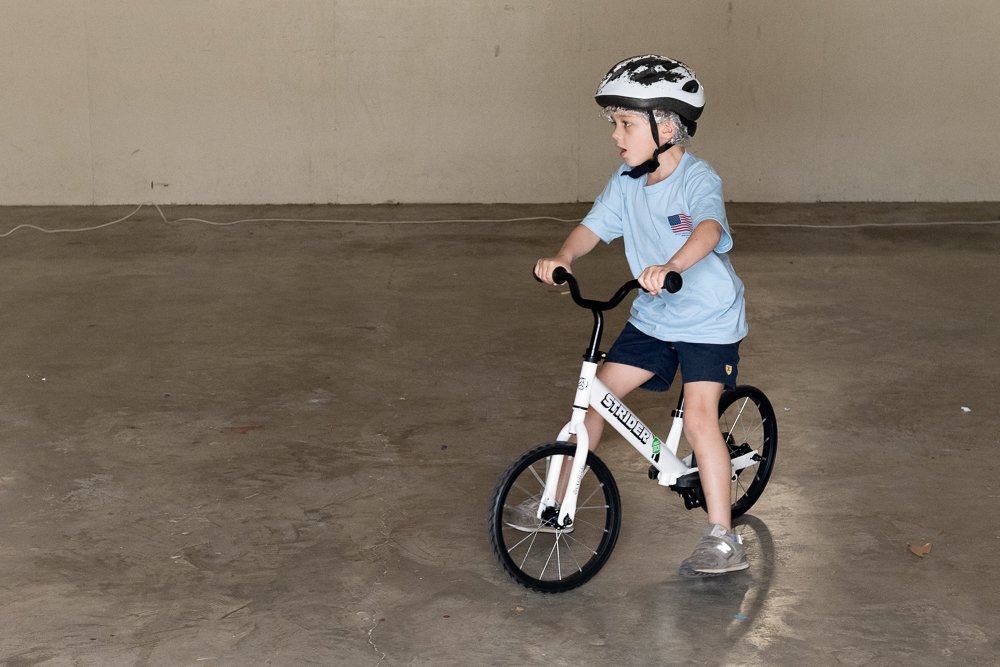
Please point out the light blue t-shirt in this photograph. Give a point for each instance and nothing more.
(654, 223)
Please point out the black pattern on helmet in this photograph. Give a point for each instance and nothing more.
(653, 82)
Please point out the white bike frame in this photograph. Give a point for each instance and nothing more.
(661, 454)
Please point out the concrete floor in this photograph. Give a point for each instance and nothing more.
(273, 443)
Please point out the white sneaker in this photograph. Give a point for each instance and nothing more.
(718, 552)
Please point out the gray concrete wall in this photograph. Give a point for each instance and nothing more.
(357, 101)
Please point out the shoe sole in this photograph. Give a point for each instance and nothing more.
(538, 529)
(691, 573)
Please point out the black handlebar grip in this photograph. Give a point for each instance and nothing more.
(672, 283)
(559, 275)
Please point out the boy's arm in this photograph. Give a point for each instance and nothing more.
(579, 242)
(700, 244)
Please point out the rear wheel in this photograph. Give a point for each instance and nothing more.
(538, 554)
(749, 428)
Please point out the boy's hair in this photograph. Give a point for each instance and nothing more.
(681, 135)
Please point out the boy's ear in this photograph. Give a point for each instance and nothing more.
(667, 130)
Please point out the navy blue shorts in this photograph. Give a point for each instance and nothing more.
(699, 362)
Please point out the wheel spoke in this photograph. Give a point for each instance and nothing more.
(527, 551)
(569, 536)
(555, 545)
(534, 473)
(751, 429)
(526, 492)
(583, 520)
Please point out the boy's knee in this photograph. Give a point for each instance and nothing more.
(699, 422)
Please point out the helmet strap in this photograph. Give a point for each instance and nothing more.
(653, 163)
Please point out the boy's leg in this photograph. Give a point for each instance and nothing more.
(719, 551)
(701, 427)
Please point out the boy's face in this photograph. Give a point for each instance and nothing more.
(633, 137)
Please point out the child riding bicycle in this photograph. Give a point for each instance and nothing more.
(667, 206)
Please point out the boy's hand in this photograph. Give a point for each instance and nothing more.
(653, 277)
(545, 266)
(579, 242)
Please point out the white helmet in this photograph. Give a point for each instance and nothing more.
(653, 83)
(646, 83)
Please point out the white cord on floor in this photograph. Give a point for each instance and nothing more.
(429, 222)
(238, 222)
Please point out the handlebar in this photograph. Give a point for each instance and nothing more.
(672, 283)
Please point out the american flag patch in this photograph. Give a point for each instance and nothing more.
(680, 224)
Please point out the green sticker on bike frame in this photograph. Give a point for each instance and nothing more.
(656, 446)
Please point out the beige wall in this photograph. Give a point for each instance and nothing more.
(348, 101)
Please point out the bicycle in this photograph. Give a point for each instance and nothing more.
(564, 544)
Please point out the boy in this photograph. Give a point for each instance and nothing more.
(667, 206)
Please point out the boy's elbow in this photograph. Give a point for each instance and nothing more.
(711, 231)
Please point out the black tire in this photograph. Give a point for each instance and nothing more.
(748, 423)
(553, 562)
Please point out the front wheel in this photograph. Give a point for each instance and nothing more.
(748, 427)
(538, 554)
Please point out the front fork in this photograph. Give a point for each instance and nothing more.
(575, 427)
